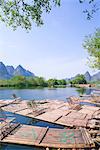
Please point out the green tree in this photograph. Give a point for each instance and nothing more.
(79, 79)
(23, 12)
(40, 81)
(61, 82)
(52, 82)
(31, 82)
(92, 45)
(19, 81)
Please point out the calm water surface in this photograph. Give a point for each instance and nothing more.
(45, 93)
(29, 94)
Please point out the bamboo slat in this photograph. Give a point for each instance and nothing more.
(51, 138)
(56, 112)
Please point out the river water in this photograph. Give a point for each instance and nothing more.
(38, 94)
(44, 93)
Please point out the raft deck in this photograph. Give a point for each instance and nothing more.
(49, 137)
(58, 112)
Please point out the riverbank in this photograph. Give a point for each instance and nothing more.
(85, 85)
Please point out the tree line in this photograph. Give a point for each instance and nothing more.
(29, 82)
(26, 82)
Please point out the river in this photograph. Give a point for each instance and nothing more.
(44, 93)
(38, 94)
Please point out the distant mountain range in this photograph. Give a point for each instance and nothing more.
(88, 77)
(7, 72)
(95, 77)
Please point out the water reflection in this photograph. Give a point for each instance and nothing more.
(59, 93)
(89, 91)
(81, 91)
(86, 91)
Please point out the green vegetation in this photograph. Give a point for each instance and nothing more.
(92, 45)
(56, 83)
(79, 79)
(29, 82)
(15, 13)
(22, 13)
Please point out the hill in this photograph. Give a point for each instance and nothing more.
(88, 77)
(7, 72)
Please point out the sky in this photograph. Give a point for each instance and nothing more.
(53, 50)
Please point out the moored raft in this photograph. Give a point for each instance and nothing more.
(67, 114)
(62, 113)
(49, 137)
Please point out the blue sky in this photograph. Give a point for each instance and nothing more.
(55, 49)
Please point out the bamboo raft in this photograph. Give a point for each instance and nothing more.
(58, 112)
(49, 138)
(69, 114)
